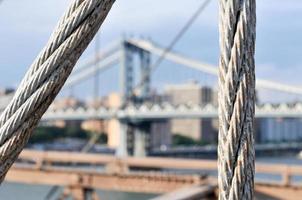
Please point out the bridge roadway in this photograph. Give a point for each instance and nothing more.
(167, 111)
(211, 150)
(122, 174)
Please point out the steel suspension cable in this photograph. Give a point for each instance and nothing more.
(236, 99)
(47, 75)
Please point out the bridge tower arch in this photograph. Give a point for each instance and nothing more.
(129, 89)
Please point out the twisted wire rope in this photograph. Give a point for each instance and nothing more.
(237, 22)
(48, 57)
(47, 75)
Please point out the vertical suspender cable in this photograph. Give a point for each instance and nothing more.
(236, 155)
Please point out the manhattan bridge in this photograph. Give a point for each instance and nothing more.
(136, 107)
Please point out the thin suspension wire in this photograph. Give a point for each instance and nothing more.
(179, 35)
(96, 76)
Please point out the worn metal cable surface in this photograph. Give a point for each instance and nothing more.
(47, 75)
(236, 99)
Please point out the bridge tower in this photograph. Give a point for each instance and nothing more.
(134, 91)
(145, 69)
(126, 72)
(128, 85)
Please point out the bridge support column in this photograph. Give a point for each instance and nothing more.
(139, 143)
(141, 140)
(121, 150)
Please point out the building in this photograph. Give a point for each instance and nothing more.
(160, 135)
(276, 130)
(189, 93)
(64, 103)
(192, 93)
(95, 126)
(6, 91)
(67, 102)
(6, 95)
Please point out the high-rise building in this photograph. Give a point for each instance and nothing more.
(192, 93)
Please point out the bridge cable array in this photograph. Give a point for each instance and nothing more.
(236, 155)
(74, 32)
(47, 75)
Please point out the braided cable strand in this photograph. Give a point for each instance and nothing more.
(59, 41)
(45, 53)
(27, 90)
(236, 155)
(47, 75)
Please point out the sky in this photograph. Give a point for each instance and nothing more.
(26, 26)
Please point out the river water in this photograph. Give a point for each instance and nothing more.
(14, 191)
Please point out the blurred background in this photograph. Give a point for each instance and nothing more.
(156, 62)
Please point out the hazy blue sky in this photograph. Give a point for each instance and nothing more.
(27, 24)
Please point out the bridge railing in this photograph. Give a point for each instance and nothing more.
(121, 165)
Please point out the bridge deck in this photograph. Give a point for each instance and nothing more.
(121, 176)
(127, 182)
(189, 193)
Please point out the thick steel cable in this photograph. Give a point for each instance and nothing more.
(47, 75)
(236, 99)
(59, 36)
